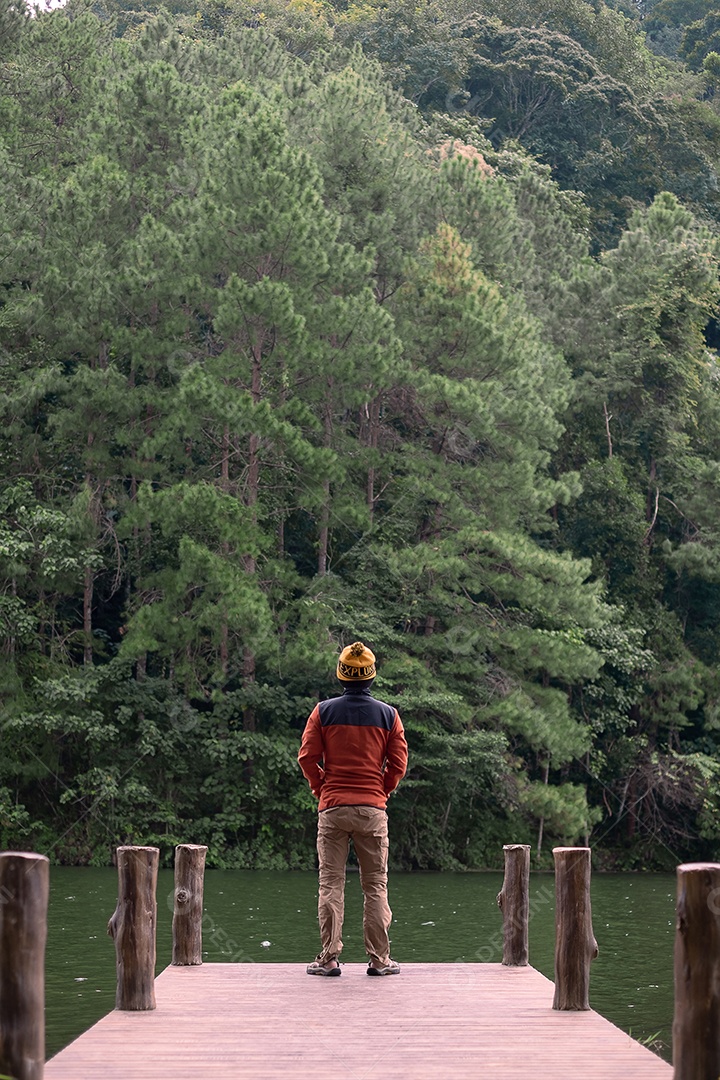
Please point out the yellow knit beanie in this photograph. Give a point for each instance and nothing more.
(356, 663)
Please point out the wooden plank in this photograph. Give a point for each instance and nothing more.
(267, 1021)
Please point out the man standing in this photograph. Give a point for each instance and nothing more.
(353, 755)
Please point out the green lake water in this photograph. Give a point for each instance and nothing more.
(270, 917)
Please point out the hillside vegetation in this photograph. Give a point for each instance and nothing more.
(383, 321)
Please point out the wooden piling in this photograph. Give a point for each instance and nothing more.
(514, 902)
(696, 1023)
(24, 888)
(188, 904)
(575, 944)
(133, 927)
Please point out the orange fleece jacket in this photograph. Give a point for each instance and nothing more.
(353, 750)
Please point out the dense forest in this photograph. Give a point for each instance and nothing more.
(325, 320)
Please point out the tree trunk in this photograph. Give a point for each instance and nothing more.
(541, 826)
(253, 474)
(514, 902)
(42, 620)
(631, 803)
(372, 441)
(225, 547)
(650, 500)
(141, 666)
(24, 887)
(608, 435)
(89, 581)
(324, 533)
(251, 499)
(188, 908)
(88, 588)
(225, 460)
(696, 1024)
(11, 638)
(575, 944)
(133, 925)
(248, 677)
(224, 644)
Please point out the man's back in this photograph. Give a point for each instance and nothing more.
(361, 744)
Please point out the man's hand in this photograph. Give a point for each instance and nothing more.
(315, 788)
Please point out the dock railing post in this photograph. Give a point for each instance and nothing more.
(188, 904)
(24, 889)
(696, 1023)
(133, 927)
(575, 944)
(514, 902)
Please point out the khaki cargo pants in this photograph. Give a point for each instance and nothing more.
(367, 826)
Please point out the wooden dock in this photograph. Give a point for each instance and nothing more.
(431, 1022)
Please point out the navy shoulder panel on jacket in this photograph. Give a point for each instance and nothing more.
(357, 710)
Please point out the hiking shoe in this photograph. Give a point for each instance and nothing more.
(322, 969)
(391, 968)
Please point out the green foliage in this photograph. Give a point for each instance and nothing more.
(326, 321)
(700, 40)
(446, 815)
(563, 809)
(574, 83)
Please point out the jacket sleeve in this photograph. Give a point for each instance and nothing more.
(311, 753)
(397, 756)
